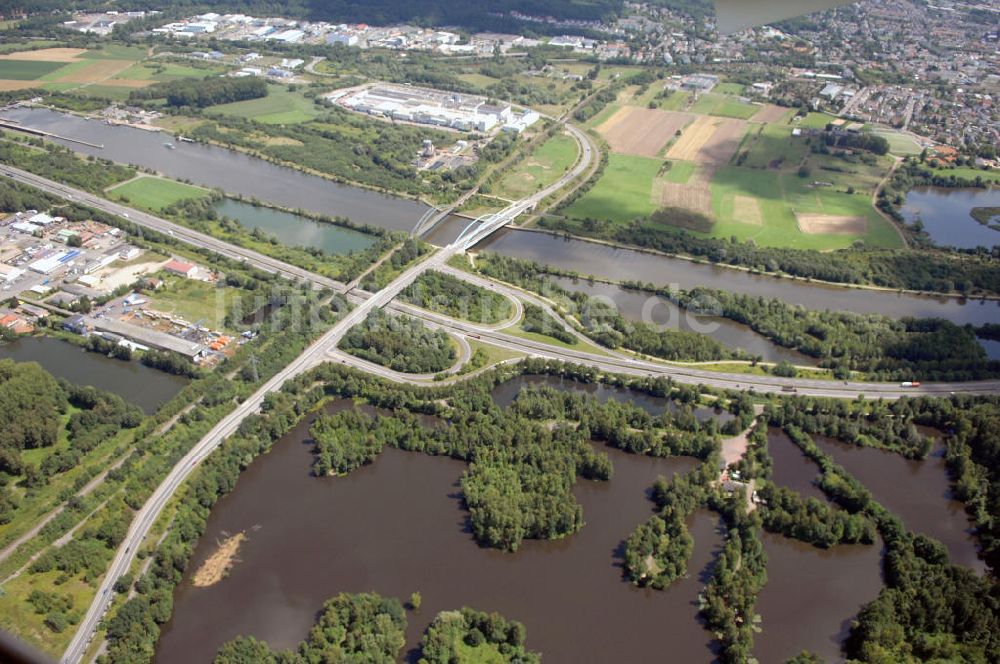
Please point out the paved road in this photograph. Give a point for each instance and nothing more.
(679, 373)
(319, 352)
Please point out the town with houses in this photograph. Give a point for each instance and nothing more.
(915, 66)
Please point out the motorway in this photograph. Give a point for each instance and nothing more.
(326, 347)
(621, 363)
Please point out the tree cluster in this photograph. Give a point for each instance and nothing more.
(199, 93)
(400, 343)
(457, 298)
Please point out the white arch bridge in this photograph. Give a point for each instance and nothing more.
(479, 229)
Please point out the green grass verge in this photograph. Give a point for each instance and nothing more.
(539, 169)
(155, 193)
(279, 107)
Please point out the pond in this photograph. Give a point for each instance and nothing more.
(918, 492)
(295, 230)
(946, 215)
(133, 381)
(397, 526)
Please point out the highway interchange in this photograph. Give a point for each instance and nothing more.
(325, 349)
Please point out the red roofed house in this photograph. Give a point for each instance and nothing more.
(188, 270)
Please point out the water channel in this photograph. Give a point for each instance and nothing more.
(133, 381)
(240, 174)
(231, 171)
(636, 306)
(946, 215)
(295, 230)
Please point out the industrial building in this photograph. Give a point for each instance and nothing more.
(426, 106)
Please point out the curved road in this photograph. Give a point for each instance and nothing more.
(319, 352)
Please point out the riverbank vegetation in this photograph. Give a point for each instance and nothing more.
(968, 272)
(929, 609)
(56, 162)
(807, 519)
(454, 297)
(400, 343)
(881, 347)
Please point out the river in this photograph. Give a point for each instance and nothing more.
(397, 526)
(133, 381)
(295, 230)
(593, 258)
(231, 171)
(945, 215)
(237, 173)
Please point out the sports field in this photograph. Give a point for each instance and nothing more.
(722, 105)
(542, 167)
(279, 107)
(155, 193)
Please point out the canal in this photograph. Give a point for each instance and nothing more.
(237, 173)
(133, 381)
(231, 171)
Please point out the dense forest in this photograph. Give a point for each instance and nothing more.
(204, 92)
(367, 628)
(350, 628)
(470, 636)
(457, 298)
(400, 343)
(33, 415)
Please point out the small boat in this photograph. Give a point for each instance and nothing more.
(169, 146)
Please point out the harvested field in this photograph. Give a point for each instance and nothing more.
(746, 210)
(7, 85)
(97, 71)
(642, 131)
(769, 113)
(694, 195)
(709, 140)
(47, 55)
(829, 224)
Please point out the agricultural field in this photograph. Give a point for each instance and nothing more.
(708, 140)
(155, 193)
(816, 120)
(642, 131)
(623, 192)
(542, 167)
(724, 106)
(279, 107)
(111, 71)
(744, 180)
